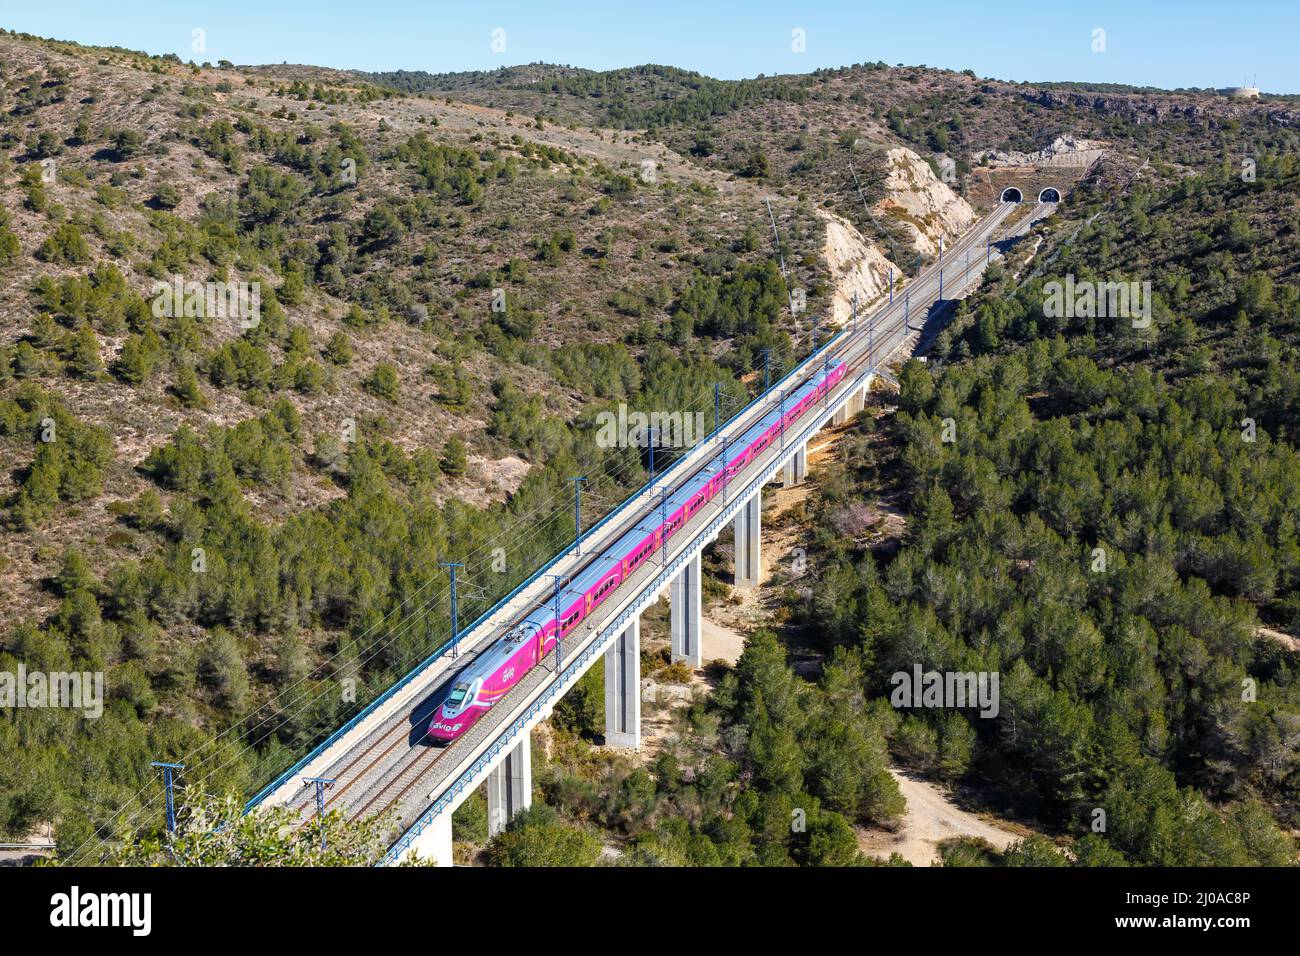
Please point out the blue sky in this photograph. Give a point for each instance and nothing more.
(1165, 44)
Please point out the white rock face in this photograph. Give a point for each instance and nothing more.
(856, 266)
(924, 205)
(1064, 151)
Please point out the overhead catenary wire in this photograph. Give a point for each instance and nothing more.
(398, 630)
(403, 625)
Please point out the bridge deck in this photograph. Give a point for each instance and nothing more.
(384, 763)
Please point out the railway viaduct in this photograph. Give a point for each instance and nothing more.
(381, 760)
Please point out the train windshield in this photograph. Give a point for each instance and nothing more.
(457, 695)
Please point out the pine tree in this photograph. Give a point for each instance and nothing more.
(455, 457)
(187, 388)
(83, 353)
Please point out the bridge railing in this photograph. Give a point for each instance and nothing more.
(797, 372)
(555, 687)
(443, 648)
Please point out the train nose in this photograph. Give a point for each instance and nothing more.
(442, 732)
(442, 727)
(446, 728)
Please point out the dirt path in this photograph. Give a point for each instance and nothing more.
(753, 607)
(1286, 640)
(931, 816)
(719, 642)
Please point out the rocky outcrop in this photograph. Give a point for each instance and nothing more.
(856, 267)
(923, 205)
(1064, 151)
(1210, 111)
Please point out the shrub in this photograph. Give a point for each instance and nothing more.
(65, 246)
(383, 382)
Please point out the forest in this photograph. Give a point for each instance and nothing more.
(1130, 498)
(1103, 514)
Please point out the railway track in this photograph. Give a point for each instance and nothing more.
(419, 765)
(371, 781)
(392, 737)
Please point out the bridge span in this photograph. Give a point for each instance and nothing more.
(382, 760)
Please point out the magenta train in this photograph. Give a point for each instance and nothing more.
(494, 672)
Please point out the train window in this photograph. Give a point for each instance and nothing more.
(600, 594)
(457, 695)
(640, 555)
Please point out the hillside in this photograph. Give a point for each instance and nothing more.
(452, 275)
(802, 132)
(212, 505)
(1128, 492)
(211, 176)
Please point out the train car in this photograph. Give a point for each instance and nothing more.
(500, 668)
(494, 672)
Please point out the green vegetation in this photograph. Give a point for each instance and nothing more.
(771, 770)
(1131, 533)
(537, 838)
(662, 94)
(213, 832)
(284, 490)
(65, 246)
(69, 461)
(383, 382)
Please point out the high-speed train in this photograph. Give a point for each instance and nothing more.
(498, 669)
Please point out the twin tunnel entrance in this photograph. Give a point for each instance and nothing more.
(1013, 194)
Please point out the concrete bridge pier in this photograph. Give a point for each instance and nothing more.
(854, 403)
(434, 842)
(684, 613)
(623, 688)
(510, 786)
(748, 555)
(796, 469)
